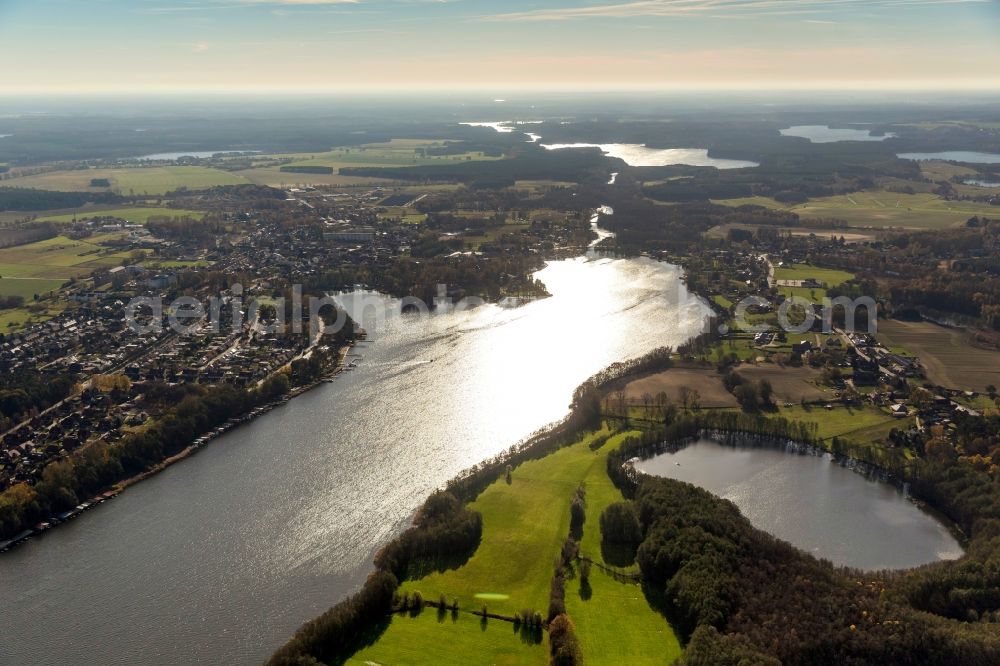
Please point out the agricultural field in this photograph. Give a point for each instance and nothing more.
(842, 421)
(706, 381)
(395, 153)
(136, 215)
(800, 272)
(938, 170)
(398, 152)
(946, 353)
(15, 319)
(28, 287)
(56, 259)
(880, 209)
(790, 384)
(524, 525)
(155, 180)
(853, 235)
(275, 177)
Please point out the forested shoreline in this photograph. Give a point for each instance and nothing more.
(736, 594)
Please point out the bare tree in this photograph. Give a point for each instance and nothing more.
(620, 400)
(684, 393)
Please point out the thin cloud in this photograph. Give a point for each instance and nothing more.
(300, 2)
(690, 8)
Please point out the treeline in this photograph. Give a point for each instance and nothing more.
(586, 403)
(564, 647)
(84, 473)
(341, 630)
(967, 589)
(585, 415)
(745, 597)
(530, 163)
(465, 276)
(915, 280)
(11, 302)
(24, 394)
(307, 169)
(28, 199)
(752, 396)
(27, 233)
(185, 227)
(641, 225)
(445, 533)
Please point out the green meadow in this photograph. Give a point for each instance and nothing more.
(154, 180)
(524, 525)
(880, 209)
(55, 259)
(134, 214)
(399, 152)
(826, 276)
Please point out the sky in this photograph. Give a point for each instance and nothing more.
(74, 46)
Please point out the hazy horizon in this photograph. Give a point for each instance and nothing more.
(363, 46)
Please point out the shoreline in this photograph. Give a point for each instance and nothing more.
(868, 471)
(196, 445)
(204, 439)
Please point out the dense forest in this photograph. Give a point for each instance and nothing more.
(24, 394)
(528, 163)
(26, 199)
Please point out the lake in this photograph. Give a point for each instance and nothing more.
(191, 153)
(827, 134)
(635, 154)
(970, 156)
(813, 503)
(220, 558)
(978, 182)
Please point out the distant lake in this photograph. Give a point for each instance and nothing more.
(981, 183)
(813, 503)
(827, 134)
(190, 153)
(954, 156)
(635, 154)
(502, 126)
(509, 126)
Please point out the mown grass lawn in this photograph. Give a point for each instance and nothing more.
(446, 640)
(829, 277)
(840, 421)
(614, 622)
(28, 287)
(524, 525)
